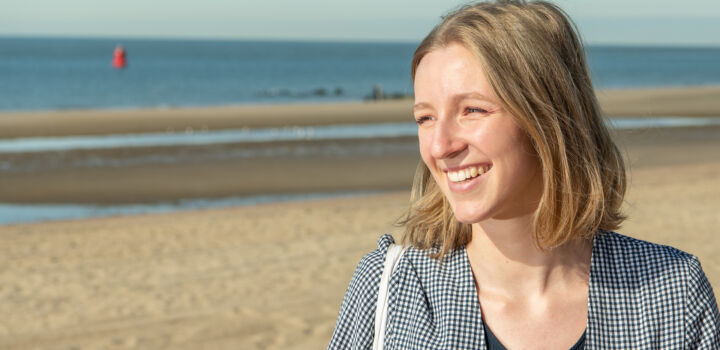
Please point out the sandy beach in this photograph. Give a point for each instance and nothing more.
(269, 276)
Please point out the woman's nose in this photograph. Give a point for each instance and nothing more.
(446, 142)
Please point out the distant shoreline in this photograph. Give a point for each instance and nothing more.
(391, 96)
(696, 101)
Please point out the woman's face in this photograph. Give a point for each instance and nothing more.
(482, 160)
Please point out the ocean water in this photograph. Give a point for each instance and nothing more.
(77, 73)
(20, 213)
(57, 73)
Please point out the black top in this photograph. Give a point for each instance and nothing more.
(494, 344)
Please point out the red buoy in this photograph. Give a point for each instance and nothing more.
(119, 58)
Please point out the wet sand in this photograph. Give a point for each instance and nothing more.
(141, 176)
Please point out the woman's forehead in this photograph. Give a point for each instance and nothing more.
(449, 73)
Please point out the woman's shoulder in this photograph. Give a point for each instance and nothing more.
(663, 283)
(371, 264)
(355, 322)
(637, 266)
(636, 253)
(363, 285)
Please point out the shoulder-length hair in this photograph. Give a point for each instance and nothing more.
(535, 63)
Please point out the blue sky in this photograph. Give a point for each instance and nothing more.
(651, 22)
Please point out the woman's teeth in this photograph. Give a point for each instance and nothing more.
(468, 173)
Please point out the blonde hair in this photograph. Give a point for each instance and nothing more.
(536, 66)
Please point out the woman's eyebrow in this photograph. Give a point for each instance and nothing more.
(421, 105)
(472, 95)
(456, 98)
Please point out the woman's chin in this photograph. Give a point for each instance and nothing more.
(469, 216)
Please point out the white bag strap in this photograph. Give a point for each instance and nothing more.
(392, 258)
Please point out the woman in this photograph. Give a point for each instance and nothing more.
(513, 206)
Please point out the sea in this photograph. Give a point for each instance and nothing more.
(77, 73)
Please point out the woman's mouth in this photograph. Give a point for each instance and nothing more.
(469, 173)
(464, 180)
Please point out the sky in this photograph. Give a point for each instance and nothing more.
(624, 22)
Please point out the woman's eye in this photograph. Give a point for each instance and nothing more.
(423, 119)
(470, 110)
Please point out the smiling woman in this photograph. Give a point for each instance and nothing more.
(482, 161)
(509, 234)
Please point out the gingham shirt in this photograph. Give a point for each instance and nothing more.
(641, 296)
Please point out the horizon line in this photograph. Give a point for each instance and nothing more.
(315, 40)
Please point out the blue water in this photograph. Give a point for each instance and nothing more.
(55, 73)
(627, 67)
(77, 73)
(19, 213)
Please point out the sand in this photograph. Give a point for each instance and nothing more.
(679, 101)
(270, 276)
(259, 277)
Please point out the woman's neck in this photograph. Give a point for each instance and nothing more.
(505, 259)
